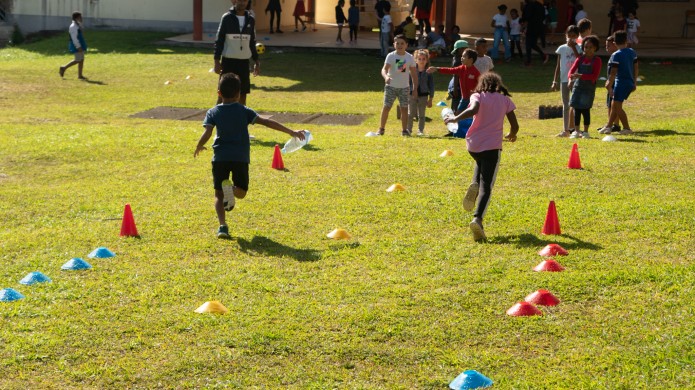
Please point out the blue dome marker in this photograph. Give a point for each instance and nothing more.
(75, 264)
(470, 379)
(9, 295)
(33, 278)
(101, 253)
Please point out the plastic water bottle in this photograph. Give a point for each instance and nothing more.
(452, 126)
(295, 143)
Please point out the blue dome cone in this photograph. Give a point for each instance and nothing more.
(441, 104)
(34, 277)
(9, 295)
(101, 253)
(75, 264)
(470, 379)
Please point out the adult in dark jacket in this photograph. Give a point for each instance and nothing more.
(275, 9)
(236, 45)
(533, 15)
(424, 7)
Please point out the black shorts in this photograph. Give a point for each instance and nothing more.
(239, 171)
(241, 69)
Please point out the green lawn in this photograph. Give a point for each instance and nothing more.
(410, 302)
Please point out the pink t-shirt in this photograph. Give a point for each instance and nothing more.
(487, 130)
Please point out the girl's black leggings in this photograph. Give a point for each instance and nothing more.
(486, 165)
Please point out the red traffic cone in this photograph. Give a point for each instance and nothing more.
(128, 228)
(549, 265)
(542, 297)
(553, 250)
(552, 224)
(277, 159)
(574, 162)
(523, 309)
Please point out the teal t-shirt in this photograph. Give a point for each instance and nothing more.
(232, 123)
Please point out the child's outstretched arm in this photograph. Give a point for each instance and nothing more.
(204, 138)
(511, 136)
(279, 127)
(467, 113)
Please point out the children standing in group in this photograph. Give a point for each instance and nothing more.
(424, 89)
(515, 32)
(483, 62)
(622, 80)
(386, 29)
(353, 21)
(566, 55)
(76, 45)
(398, 66)
(489, 105)
(583, 76)
(231, 147)
(340, 19)
(501, 24)
(632, 28)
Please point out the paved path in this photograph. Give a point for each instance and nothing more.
(325, 38)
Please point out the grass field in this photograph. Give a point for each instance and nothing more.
(410, 302)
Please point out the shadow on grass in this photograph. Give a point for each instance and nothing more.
(528, 240)
(264, 246)
(661, 133)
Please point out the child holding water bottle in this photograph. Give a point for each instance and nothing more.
(488, 106)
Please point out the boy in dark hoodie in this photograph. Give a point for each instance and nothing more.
(236, 45)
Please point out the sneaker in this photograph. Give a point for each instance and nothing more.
(585, 135)
(471, 196)
(420, 133)
(626, 132)
(228, 190)
(477, 230)
(304, 28)
(576, 134)
(615, 128)
(223, 232)
(381, 131)
(406, 133)
(62, 71)
(563, 134)
(605, 130)
(279, 31)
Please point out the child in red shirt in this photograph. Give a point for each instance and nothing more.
(583, 75)
(467, 74)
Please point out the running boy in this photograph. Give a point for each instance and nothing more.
(622, 80)
(76, 45)
(231, 147)
(398, 67)
(489, 105)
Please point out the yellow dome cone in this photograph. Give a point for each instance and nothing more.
(446, 153)
(396, 187)
(212, 307)
(339, 234)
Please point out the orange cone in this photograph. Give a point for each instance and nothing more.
(128, 228)
(542, 297)
(552, 224)
(574, 162)
(277, 159)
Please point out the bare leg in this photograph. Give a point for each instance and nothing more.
(384, 116)
(404, 118)
(219, 207)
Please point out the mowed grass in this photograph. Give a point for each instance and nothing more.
(409, 302)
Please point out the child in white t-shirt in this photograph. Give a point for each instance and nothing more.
(501, 25)
(399, 67)
(483, 63)
(515, 32)
(633, 26)
(566, 54)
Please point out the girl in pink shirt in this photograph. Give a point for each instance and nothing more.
(489, 105)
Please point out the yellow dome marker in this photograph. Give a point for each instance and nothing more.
(446, 153)
(214, 307)
(396, 187)
(339, 234)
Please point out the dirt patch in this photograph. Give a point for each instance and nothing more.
(192, 114)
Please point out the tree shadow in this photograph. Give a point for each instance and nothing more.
(662, 133)
(264, 246)
(527, 240)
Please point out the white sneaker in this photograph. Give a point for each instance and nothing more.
(576, 134)
(477, 230)
(563, 134)
(228, 190)
(585, 135)
(471, 196)
(605, 130)
(626, 132)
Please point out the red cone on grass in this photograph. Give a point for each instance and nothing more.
(553, 250)
(549, 265)
(574, 162)
(542, 297)
(522, 309)
(277, 159)
(128, 228)
(552, 224)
